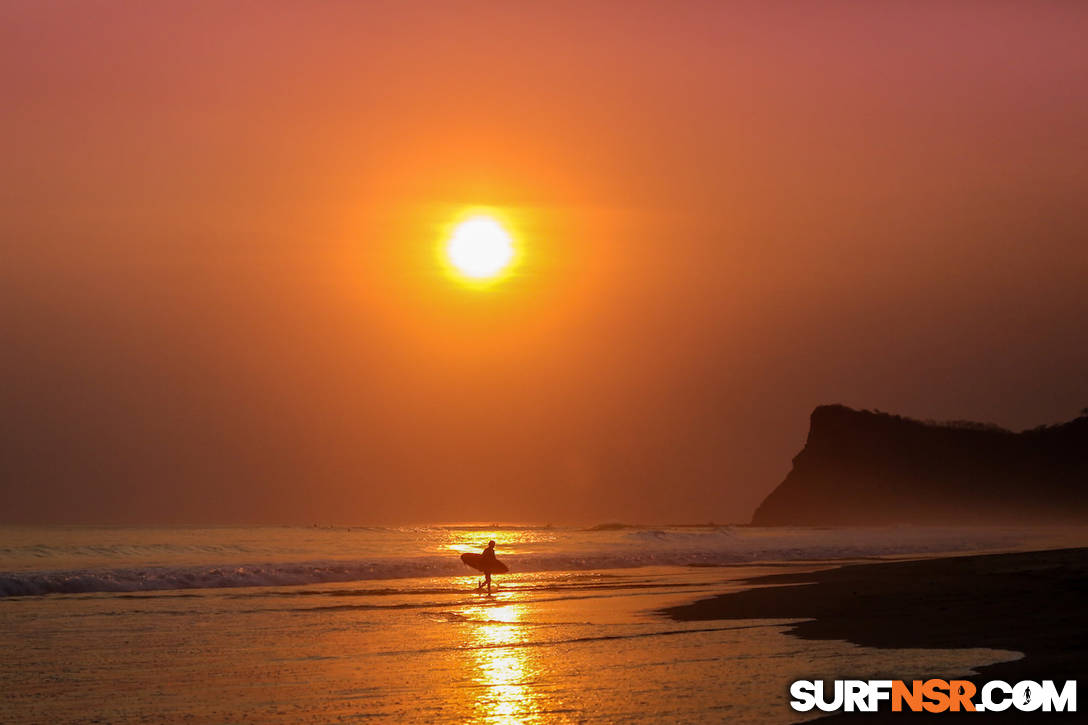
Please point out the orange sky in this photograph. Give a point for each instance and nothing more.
(219, 297)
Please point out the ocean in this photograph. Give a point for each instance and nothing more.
(334, 624)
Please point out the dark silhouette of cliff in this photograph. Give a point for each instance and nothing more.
(863, 467)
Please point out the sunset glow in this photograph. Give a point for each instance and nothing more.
(500, 363)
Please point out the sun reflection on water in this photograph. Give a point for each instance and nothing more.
(503, 673)
(510, 541)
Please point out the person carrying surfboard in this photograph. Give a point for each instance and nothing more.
(489, 561)
(486, 564)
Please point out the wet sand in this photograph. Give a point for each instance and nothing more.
(546, 648)
(1033, 602)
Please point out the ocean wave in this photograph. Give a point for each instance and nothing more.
(614, 526)
(138, 579)
(491, 527)
(679, 537)
(142, 579)
(654, 548)
(43, 551)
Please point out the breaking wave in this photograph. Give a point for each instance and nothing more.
(636, 548)
(215, 577)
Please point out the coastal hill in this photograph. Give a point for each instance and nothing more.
(867, 467)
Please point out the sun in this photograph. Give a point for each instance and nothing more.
(480, 248)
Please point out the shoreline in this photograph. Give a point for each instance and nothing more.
(1035, 603)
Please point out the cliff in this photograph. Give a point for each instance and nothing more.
(862, 467)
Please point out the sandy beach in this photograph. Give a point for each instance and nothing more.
(1035, 603)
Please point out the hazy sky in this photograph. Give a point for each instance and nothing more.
(220, 298)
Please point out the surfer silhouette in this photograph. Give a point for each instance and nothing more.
(489, 561)
(486, 564)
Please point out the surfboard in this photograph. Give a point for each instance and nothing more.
(477, 562)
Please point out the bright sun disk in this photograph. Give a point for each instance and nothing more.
(480, 248)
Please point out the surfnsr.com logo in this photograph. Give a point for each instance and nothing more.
(933, 696)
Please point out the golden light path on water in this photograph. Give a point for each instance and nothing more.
(502, 672)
